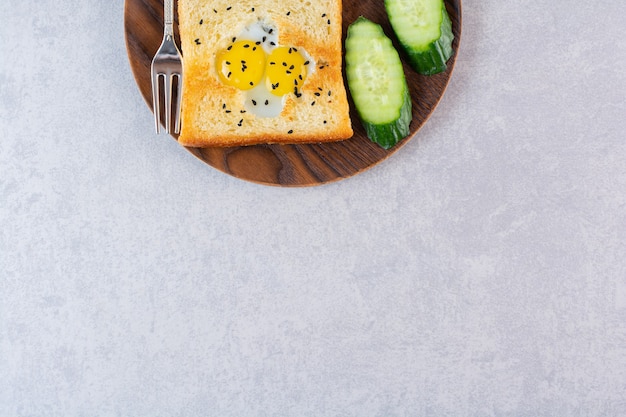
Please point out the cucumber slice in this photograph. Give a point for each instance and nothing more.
(424, 30)
(377, 83)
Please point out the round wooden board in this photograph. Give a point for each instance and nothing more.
(294, 165)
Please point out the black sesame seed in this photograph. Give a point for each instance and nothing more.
(252, 9)
(242, 111)
(251, 83)
(288, 13)
(291, 67)
(229, 47)
(234, 38)
(295, 50)
(272, 63)
(228, 111)
(325, 122)
(215, 10)
(264, 38)
(246, 45)
(258, 43)
(320, 88)
(240, 123)
(306, 62)
(229, 7)
(312, 103)
(290, 50)
(284, 64)
(270, 31)
(295, 82)
(300, 76)
(254, 102)
(197, 41)
(317, 94)
(229, 74)
(227, 62)
(201, 21)
(273, 43)
(290, 132)
(224, 105)
(329, 21)
(267, 102)
(254, 49)
(288, 72)
(329, 93)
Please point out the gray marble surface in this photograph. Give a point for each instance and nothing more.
(480, 271)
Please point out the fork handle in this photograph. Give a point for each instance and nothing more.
(168, 6)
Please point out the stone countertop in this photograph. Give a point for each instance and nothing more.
(479, 271)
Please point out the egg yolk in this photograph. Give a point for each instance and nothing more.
(244, 64)
(241, 65)
(285, 70)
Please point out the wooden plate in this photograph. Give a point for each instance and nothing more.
(294, 165)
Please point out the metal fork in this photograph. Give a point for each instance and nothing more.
(167, 64)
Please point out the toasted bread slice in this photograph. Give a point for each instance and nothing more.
(215, 113)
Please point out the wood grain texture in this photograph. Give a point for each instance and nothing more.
(294, 165)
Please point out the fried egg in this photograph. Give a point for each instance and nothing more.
(265, 71)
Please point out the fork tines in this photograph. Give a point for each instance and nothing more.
(167, 85)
